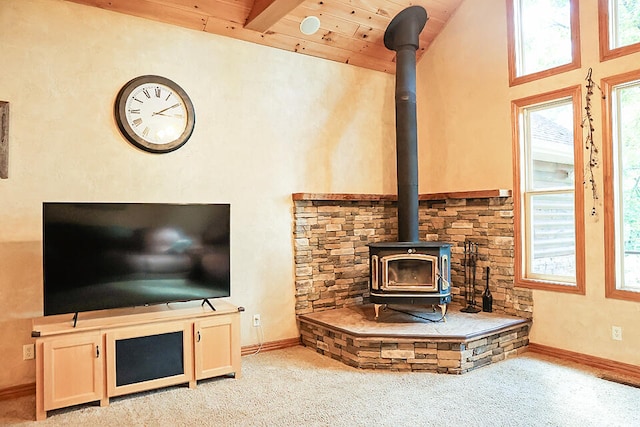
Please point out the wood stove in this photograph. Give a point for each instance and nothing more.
(409, 270)
(410, 273)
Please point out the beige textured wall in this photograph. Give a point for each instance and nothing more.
(465, 143)
(269, 123)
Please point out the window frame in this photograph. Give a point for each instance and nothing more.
(575, 63)
(520, 212)
(610, 212)
(606, 52)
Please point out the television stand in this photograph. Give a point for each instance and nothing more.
(117, 352)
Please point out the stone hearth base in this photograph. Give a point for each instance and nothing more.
(403, 340)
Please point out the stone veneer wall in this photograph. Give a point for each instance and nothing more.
(441, 355)
(331, 234)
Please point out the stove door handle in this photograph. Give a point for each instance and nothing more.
(374, 272)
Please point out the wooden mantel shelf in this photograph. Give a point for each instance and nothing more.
(477, 194)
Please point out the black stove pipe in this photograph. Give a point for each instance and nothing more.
(402, 36)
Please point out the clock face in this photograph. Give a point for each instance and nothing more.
(155, 114)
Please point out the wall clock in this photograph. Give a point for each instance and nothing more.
(154, 114)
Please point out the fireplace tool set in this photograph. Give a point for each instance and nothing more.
(470, 263)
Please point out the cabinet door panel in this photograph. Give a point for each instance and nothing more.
(156, 374)
(73, 371)
(217, 347)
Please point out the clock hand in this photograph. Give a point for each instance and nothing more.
(162, 111)
(167, 115)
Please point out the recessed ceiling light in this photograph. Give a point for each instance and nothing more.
(310, 25)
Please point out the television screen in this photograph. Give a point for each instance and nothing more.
(110, 255)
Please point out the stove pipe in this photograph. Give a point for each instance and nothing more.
(402, 35)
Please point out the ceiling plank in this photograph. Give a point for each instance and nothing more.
(265, 13)
(328, 22)
(231, 10)
(149, 9)
(296, 44)
(324, 37)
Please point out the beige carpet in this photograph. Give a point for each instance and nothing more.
(298, 387)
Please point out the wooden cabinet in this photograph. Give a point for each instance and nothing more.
(125, 351)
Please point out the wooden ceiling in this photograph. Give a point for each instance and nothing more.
(351, 31)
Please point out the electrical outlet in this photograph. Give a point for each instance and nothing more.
(616, 333)
(28, 352)
(256, 320)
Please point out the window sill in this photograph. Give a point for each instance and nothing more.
(550, 286)
(622, 295)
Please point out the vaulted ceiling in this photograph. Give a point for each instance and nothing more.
(351, 31)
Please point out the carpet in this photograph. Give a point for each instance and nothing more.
(298, 387)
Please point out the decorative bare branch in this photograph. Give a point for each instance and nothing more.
(590, 145)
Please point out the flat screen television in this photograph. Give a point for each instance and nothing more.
(110, 255)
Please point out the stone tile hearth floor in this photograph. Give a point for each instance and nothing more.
(403, 321)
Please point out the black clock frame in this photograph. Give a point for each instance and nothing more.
(128, 132)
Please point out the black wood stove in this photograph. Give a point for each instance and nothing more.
(408, 271)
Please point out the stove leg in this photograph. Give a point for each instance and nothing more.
(376, 307)
(443, 308)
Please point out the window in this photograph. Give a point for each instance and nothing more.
(621, 156)
(619, 27)
(548, 191)
(543, 38)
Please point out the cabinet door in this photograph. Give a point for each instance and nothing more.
(217, 346)
(73, 370)
(147, 357)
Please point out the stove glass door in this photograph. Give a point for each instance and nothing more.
(410, 272)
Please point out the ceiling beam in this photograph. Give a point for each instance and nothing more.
(265, 13)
